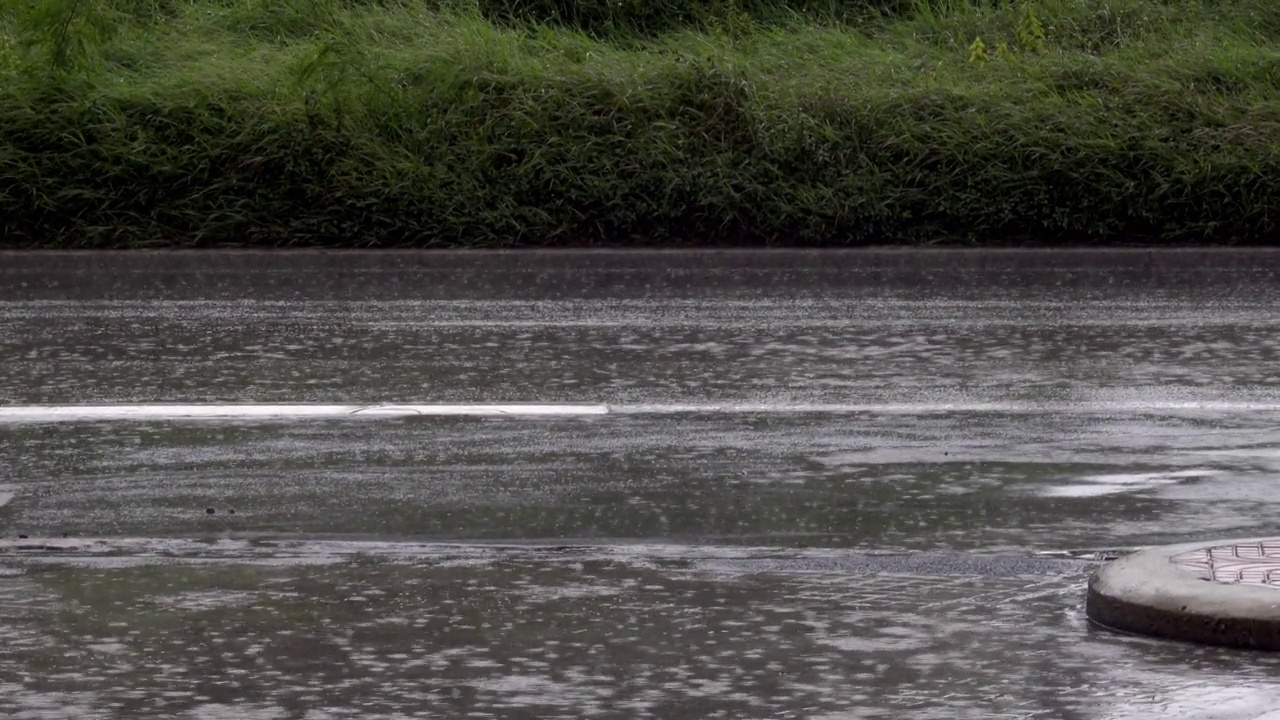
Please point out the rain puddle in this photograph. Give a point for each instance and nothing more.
(384, 630)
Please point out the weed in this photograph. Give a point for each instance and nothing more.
(502, 122)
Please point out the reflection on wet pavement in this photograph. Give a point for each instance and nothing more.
(955, 480)
(606, 637)
(876, 555)
(773, 349)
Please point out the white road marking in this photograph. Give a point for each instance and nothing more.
(922, 408)
(300, 411)
(82, 413)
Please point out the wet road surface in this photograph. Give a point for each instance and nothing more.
(827, 486)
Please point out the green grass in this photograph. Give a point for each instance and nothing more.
(130, 123)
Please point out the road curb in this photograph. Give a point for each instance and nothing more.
(1225, 592)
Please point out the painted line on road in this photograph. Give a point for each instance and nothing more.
(934, 408)
(286, 411)
(82, 413)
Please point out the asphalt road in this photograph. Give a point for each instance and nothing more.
(818, 485)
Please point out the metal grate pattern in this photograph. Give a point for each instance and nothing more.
(1249, 563)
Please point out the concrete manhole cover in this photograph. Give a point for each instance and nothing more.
(1250, 563)
(1220, 593)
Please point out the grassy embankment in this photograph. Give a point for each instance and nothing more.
(500, 122)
